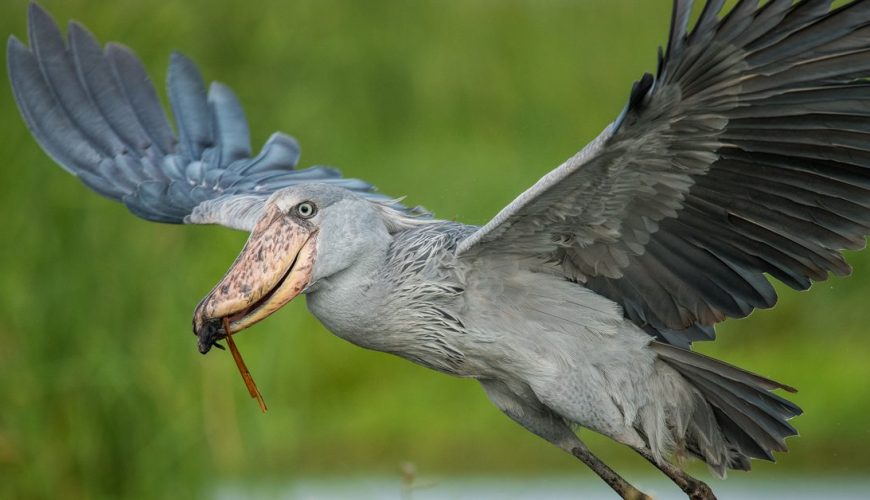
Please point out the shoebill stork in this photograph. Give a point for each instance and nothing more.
(746, 155)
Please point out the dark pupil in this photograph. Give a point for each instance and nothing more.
(305, 209)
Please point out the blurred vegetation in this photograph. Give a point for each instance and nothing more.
(459, 104)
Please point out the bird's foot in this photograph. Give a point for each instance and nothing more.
(698, 490)
(635, 494)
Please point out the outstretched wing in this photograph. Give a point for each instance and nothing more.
(96, 113)
(749, 153)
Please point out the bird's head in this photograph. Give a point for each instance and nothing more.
(306, 233)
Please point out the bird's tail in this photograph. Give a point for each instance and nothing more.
(742, 418)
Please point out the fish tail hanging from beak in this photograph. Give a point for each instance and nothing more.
(273, 268)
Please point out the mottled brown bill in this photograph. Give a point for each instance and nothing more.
(273, 268)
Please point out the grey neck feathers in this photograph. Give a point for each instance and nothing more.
(351, 253)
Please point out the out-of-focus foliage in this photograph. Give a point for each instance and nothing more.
(459, 104)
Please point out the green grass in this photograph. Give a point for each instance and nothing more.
(459, 104)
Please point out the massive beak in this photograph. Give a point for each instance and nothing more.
(273, 268)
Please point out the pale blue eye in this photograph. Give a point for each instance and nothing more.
(306, 210)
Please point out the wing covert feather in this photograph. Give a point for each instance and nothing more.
(748, 154)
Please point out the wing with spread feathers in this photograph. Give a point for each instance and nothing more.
(748, 154)
(96, 113)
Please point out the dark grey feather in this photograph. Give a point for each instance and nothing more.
(679, 25)
(737, 21)
(748, 154)
(769, 402)
(752, 418)
(747, 421)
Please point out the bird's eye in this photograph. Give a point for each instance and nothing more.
(306, 210)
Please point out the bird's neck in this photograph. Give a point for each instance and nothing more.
(401, 300)
(347, 301)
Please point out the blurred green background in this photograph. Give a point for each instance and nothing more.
(458, 104)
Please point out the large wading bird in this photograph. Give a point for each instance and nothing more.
(747, 154)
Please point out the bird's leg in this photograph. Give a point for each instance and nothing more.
(537, 418)
(614, 480)
(694, 488)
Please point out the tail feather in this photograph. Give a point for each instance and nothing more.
(741, 447)
(758, 402)
(751, 419)
(698, 360)
(747, 418)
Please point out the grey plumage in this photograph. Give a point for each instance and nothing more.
(97, 114)
(664, 212)
(746, 156)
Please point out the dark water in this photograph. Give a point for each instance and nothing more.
(827, 488)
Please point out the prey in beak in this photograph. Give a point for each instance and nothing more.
(273, 268)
